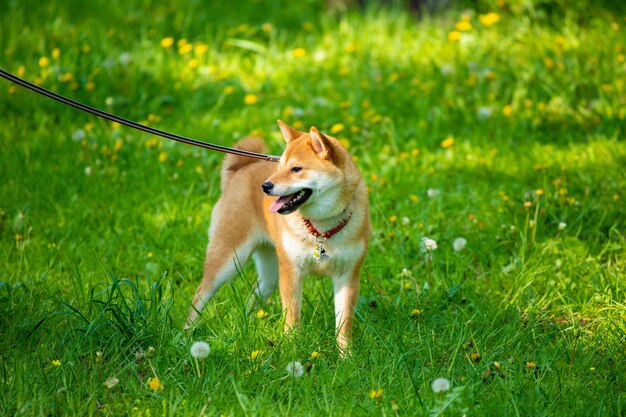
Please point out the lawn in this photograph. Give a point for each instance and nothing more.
(502, 123)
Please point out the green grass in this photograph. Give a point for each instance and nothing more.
(103, 229)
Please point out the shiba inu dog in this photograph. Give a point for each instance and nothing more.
(308, 215)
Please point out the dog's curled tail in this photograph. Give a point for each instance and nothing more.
(233, 163)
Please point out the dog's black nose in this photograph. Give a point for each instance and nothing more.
(267, 187)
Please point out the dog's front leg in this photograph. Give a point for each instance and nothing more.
(346, 291)
(290, 286)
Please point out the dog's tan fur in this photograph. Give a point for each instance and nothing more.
(243, 226)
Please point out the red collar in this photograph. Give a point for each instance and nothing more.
(327, 234)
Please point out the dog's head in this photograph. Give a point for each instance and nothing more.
(315, 175)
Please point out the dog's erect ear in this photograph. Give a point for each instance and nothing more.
(289, 133)
(320, 143)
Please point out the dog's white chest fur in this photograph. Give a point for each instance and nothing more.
(342, 252)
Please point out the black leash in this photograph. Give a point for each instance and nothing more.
(108, 116)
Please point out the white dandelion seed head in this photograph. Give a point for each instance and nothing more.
(446, 69)
(140, 354)
(440, 385)
(429, 244)
(125, 58)
(562, 225)
(200, 350)
(432, 192)
(459, 244)
(295, 369)
(405, 272)
(508, 268)
(406, 220)
(111, 382)
(78, 135)
(88, 171)
(484, 112)
(319, 55)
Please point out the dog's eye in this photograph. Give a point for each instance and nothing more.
(296, 169)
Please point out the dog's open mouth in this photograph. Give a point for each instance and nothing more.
(289, 203)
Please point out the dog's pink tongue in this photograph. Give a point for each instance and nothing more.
(278, 203)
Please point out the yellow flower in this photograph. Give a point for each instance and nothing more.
(454, 36)
(56, 362)
(167, 42)
(539, 192)
(548, 62)
(475, 357)
(336, 128)
(56, 52)
(488, 19)
(299, 52)
(201, 48)
(185, 49)
(90, 86)
(229, 89)
(255, 354)
(414, 198)
(376, 394)
(447, 142)
(393, 219)
(152, 142)
(44, 61)
(267, 27)
(415, 313)
(507, 110)
(162, 157)
(314, 355)
(463, 26)
(193, 63)
(531, 365)
(250, 99)
(155, 384)
(350, 47)
(527, 204)
(261, 314)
